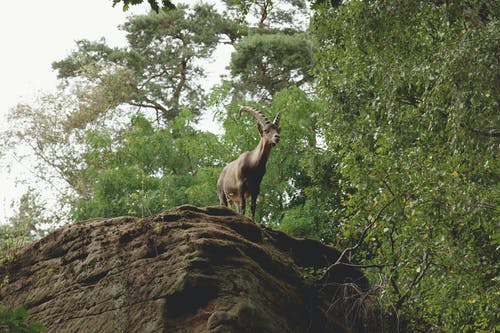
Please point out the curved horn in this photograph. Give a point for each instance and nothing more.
(276, 120)
(257, 115)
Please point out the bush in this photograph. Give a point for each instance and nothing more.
(16, 321)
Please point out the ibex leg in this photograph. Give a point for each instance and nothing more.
(253, 205)
(223, 198)
(242, 200)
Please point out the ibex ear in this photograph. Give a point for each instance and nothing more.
(259, 127)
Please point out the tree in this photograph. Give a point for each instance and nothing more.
(266, 63)
(413, 93)
(30, 221)
(273, 51)
(159, 70)
(41, 136)
(150, 169)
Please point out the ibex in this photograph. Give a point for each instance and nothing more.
(241, 178)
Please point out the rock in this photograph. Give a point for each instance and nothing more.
(188, 269)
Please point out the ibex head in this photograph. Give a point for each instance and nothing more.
(269, 132)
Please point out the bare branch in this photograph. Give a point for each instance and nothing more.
(379, 266)
(360, 241)
(152, 105)
(416, 280)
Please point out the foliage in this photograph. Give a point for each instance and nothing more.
(43, 137)
(413, 94)
(270, 14)
(28, 223)
(289, 176)
(146, 169)
(159, 70)
(15, 321)
(155, 5)
(264, 64)
(273, 55)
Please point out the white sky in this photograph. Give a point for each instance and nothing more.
(33, 34)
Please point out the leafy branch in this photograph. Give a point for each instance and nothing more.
(359, 242)
(416, 280)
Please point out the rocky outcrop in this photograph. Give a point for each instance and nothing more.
(186, 270)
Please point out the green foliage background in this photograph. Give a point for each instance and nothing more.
(389, 136)
(415, 88)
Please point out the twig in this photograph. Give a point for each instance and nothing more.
(365, 266)
(416, 280)
(360, 241)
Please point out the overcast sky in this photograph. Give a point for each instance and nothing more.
(35, 33)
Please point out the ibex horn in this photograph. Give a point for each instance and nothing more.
(276, 120)
(257, 114)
